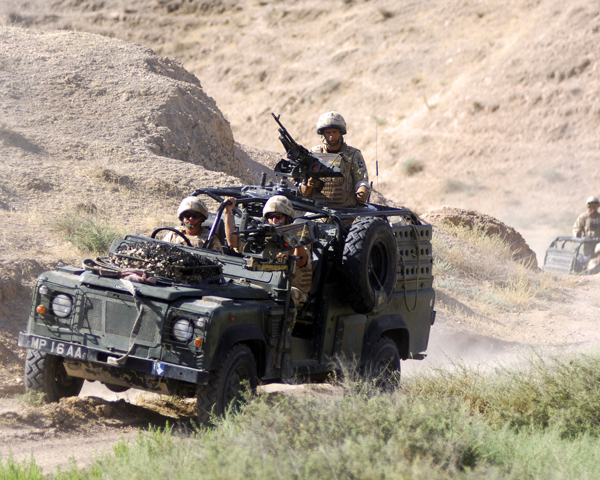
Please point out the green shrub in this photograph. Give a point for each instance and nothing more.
(563, 394)
(540, 421)
(88, 234)
(412, 166)
(26, 470)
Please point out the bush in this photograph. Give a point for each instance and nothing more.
(88, 234)
(412, 166)
(556, 393)
(537, 422)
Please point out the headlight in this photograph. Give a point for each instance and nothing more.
(201, 323)
(43, 290)
(62, 306)
(183, 330)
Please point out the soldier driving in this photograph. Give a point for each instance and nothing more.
(353, 186)
(192, 212)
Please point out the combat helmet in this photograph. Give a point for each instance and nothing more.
(331, 120)
(193, 204)
(279, 204)
(593, 201)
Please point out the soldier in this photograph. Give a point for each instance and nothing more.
(588, 223)
(192, 212)
(593, 266)
(278, 210)
(353, 186)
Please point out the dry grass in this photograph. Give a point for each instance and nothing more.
(477, 269)
(88, 233)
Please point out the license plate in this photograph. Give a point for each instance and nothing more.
(59, 349)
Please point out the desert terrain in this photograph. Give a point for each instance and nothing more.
(117, 109)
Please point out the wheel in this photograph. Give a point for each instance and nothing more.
(383, 365)
(174, 230)
(369, 264)
(227, 385)
(46, 374)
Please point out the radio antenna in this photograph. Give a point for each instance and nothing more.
(376, 161)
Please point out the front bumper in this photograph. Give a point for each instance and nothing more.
(142, 365)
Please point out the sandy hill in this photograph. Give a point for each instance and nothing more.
(92, 121)
(496, 102)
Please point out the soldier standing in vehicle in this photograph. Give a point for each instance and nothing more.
(192, 213)
(588, 223)
(353, 186)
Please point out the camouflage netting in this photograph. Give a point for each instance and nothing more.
(167, 261)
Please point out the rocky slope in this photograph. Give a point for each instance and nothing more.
(496, 102)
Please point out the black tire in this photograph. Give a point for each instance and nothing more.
(382, 368)
(227, 385)
(369, 265)
(46, 374)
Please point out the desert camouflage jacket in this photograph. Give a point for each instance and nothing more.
(195, 240)
(587, 226)
(340, 191)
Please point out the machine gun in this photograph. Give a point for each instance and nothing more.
(263, 244)
(300, 163)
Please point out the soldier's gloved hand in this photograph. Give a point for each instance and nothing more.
(362, 194)
(313, 182)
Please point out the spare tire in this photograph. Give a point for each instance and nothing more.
(369, 264)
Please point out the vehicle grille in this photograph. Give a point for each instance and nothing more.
(103, 315)
(121, 316)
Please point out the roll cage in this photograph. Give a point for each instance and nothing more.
(253, 198)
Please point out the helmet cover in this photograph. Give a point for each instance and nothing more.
(192, 204)
(331, 120)
(279, 204)
(593, 201)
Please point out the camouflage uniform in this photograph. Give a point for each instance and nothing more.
(593, 267)
(341, 191)
(196, 240)
(302, 282)
(587, 226)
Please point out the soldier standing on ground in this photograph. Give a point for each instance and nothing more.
(588, 223)
(353, 186)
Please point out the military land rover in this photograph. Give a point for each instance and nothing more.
(214, 321)
(179, 320)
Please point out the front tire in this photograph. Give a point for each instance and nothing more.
(227, 385)
(46, 374)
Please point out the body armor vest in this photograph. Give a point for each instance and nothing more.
(337, 191)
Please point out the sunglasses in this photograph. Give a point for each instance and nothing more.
(193, 215)
(278, 216)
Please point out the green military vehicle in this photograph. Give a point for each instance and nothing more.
(571, 255)
(214, 322)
